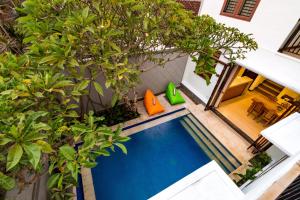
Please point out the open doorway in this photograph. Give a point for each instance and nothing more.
(252, 102)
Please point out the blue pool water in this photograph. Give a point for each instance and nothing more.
(157, 157)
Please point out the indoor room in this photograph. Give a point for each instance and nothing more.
(252, 102)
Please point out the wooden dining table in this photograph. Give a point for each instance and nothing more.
(271, 108)
(270, 105)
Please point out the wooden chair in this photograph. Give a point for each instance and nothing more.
(268, 117)
(256, 108)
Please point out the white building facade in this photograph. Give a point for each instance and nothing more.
(271, 23)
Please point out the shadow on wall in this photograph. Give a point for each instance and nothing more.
(156, 79)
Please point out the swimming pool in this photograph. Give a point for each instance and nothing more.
(157, 157)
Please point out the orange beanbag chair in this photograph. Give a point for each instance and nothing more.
(152, 104)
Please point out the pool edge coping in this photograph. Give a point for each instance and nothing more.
(88, 184)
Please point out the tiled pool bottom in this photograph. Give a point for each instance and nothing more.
(157, 157)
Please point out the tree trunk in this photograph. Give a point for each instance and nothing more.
(134, 102)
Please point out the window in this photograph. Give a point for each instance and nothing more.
(240, 9)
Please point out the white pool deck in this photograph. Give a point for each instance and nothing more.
(206, 177)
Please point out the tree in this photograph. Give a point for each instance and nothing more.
(104, 36)
(68, 44)
(39, 125)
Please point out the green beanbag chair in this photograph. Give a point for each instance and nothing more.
(173, 95)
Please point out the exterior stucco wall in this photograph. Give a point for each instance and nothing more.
(156, 79)
(271, 24)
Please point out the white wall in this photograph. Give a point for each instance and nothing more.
(275, 153)
(271, 23)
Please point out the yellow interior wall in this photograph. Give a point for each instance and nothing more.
(259, 79)
(288, 92)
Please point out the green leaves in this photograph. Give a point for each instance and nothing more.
(85, 12)
(7, 183)
(41, 127)
(4, 140)
(47, 59)
(39, 94)
(33, 152)
(73, 63)
(82, 85)
(45, 147)
(123, 139)
(122, 147)
(67, 152)
(33, 116)
(21, 137)
(115, 47)
(114, 100)
(14, 131)
(145, 23)
(63, 83)
(15, 153)
(98, 88)
(73, 167)
(53, 180)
